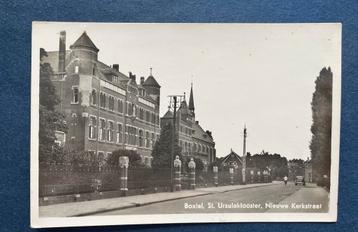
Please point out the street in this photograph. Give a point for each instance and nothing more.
(271, 198)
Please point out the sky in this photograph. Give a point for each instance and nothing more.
(258, 75)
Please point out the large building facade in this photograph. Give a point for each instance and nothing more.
(105, 109)
(193, 139)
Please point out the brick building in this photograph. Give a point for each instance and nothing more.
(193, 139)
(105, 109)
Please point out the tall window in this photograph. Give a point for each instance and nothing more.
(120, 106)
(92, 127)
(102, 100)
(119, 133)
(102, 130)
(110, 131)
(141, 138)
(141, 114)
(131, 133)
(75, 94)
(147, 116)
(111, 103)
(130, 108)
(153, 118)
(153, 139)
(94, 97)
(147, 144)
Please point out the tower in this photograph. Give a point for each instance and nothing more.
(152, 87)
(87, 53)
(191, 102)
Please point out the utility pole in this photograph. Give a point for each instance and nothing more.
(244, 158)
(173, 104)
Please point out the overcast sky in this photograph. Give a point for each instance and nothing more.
(260, 75)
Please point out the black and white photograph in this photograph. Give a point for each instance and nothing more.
(148, 123)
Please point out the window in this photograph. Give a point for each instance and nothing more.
(131, 133)
(92, 127)
(102, 100)
(102, 130)
(94, 97)
(141, 138)
(153, 139)
(74, 119)
(111, 103)
(153, 118)
(119, 133)
(120, 106)
(75, 95)
(147, 144)
(141, 114)
(147, 116)
(77, 69)
(110, 131)
(129, 108)
(194, 147)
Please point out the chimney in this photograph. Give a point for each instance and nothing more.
(141, 80)
(62, 52)
(132, 76)
(116, 67)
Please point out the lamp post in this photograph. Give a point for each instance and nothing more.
(244, 158)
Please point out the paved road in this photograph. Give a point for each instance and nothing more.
(273, 198)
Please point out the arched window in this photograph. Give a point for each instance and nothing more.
(111, 103)
(147, 144)
(141, 138)
(94, 97)
(102, 100)
(120, 106)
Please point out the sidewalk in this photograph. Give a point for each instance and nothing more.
(96, 206)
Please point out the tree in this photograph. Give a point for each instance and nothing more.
(321, 127)
(50, 119)
(162, 149)
(275, 162)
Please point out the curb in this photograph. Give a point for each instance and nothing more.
(133, 205)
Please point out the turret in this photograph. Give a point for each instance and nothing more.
(152, 87)
(84, 47)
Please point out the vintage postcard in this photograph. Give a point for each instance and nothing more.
(184, 123)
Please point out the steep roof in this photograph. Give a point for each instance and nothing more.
(168, 114)
(191, 99)
(84, 41)
(200, 134)
(232, 156)
(150, 81)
